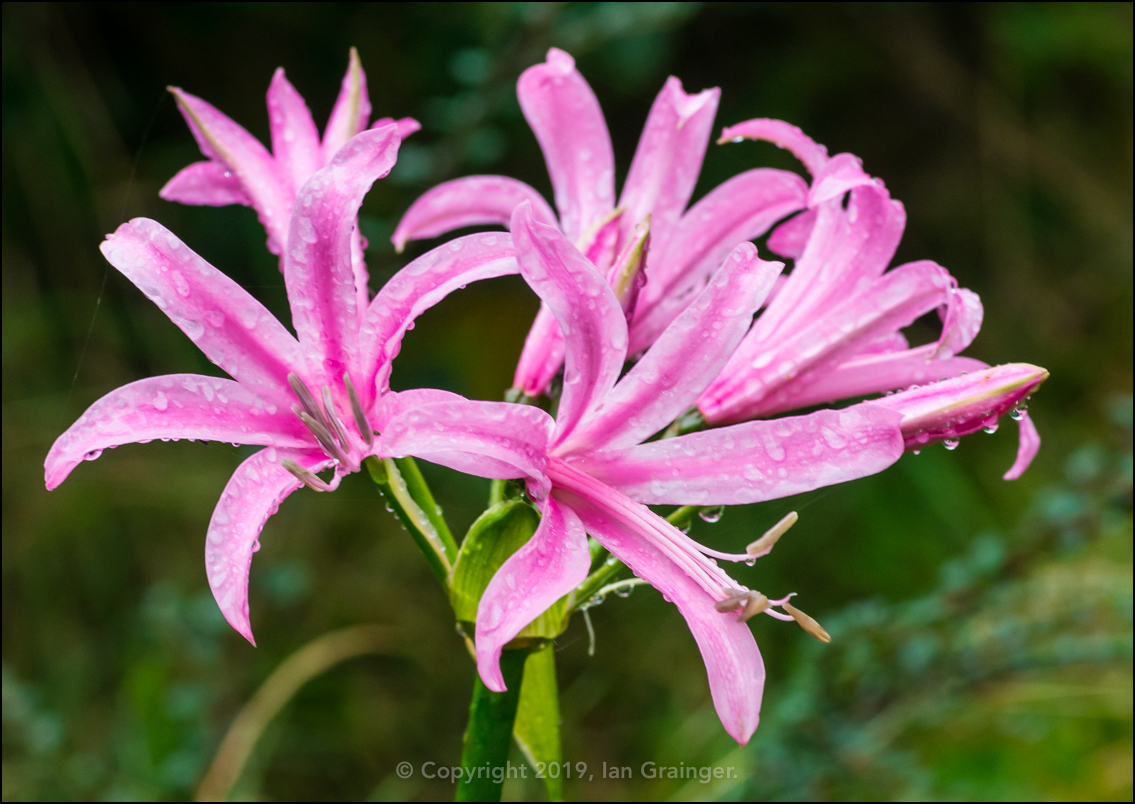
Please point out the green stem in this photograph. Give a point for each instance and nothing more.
(385, 474)
(420, 491)
(489, 735)
(684, 515)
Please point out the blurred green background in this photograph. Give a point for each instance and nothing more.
(982, 630)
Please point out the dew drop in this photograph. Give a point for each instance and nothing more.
(712, 514)
(951, 443)
(1019, 413)
(991, 428)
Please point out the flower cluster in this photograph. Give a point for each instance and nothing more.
(697, 419)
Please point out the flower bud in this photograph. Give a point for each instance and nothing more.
(947, 410)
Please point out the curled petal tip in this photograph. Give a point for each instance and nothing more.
(561, 60)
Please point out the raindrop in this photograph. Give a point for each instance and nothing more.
(951, 443)
(991, 428)
(917, 452)
(1019, 413)
(712, 514)
(625, 591)
(611, 561)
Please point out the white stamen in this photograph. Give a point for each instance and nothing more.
(308, 478)
(361, 421)
(332, 416)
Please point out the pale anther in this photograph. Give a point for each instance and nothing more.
(763, 546)
(807, 623)
(754, 605)
(308, 478)
(333, 417)
(357, 409)
(323, 436)
(733, 602)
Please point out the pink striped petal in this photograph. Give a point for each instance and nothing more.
(754, 461)
(592, 322)
(233, 329)
(864, 375)
(568, 123)
(175, 406)
(295, 139)
(1027, 448)
(351, 111)
(253, 494)
(732, 660)
(486, 439)
(789, 239)
(785, 135)
(739, 209)
(208, 184)
(750, 384)
(684, 359)
(319, 265)
(471, 201)
(548, 566)
(668, 160)
(542, 355)
(224, 141)
(418, 287)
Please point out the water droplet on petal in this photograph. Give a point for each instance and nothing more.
(712, 514)
(951, 443)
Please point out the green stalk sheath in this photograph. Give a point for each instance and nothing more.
(420, 491)
(489, 735)
(537, 726)
(391, 485)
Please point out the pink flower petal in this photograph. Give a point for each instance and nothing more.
(209, 184)
(542, 355)
(760, 379)
(253, 494)
(318, 266)
(1027, 448)
(872, 374)
(846, 247)
(787, 136)
(486, 439)
(395, 403)
(732, 660)
(593, 324)
(295, 139)
(962, 322)
(417, 287)
(668, 160)
(842, 172)
(552, 563)
(175, 406)
(351, 111)
(754, 461)
(406, 125)
(684, 359)
(568, 123)
(789, 239)
(737, 210)
(233, 329)
(471, 201)
(224, 141)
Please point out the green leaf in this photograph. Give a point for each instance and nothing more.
(488, 736)
(421, 494)
(537, 726)
(496, 535)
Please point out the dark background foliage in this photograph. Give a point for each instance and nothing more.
(982, 629)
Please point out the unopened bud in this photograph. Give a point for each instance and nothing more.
(956, 407)
(763, 546)
(807, 623)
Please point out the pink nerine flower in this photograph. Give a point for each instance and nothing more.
(832, 330)
(685, 247)
(590, 473)
(240, 170)
(315, 400)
